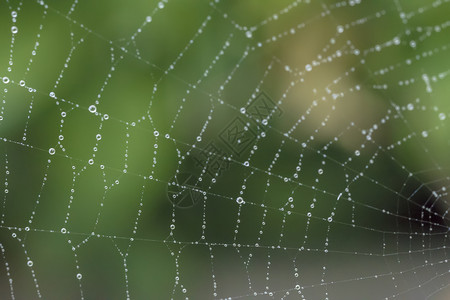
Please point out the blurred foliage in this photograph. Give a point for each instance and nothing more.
(151, 80)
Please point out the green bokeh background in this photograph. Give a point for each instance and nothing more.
(97, 36)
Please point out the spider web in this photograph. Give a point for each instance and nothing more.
(224, 149)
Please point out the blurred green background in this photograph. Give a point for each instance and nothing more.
(157, 150)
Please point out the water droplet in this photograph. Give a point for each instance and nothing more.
(249, 34)
(357, 153)
(14, 14)
(424, 134)
(79, 276)
(92, 108)
(308, 67)
(148, 19)
(52, 151)
(63, 230)
(155, 133)
(22, 83)
(242, 110)
(442, 116)
(14, 29)
(30, 263)
(172, 226)
(98, 137)
(320, 171)
(240, 200)
(5, 80)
